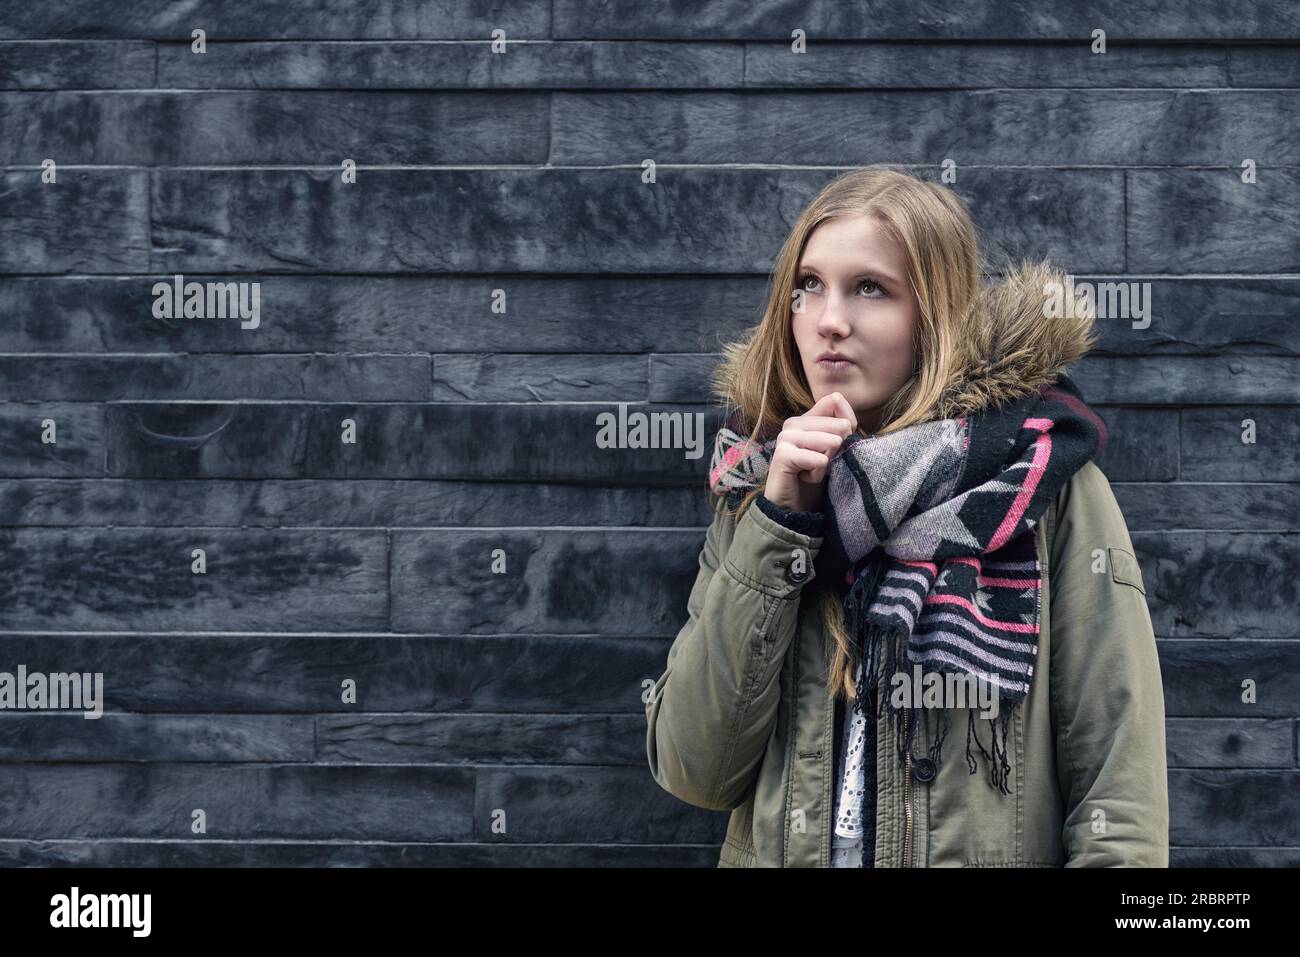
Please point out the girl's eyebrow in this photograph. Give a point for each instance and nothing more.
(865, 274)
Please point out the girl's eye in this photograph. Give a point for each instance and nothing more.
(865, 284)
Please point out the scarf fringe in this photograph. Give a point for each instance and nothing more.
(868, 701)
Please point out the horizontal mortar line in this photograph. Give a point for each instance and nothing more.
(653, 407)
(1246, 41)
(1241, 42)
(1201, 767)
(1073, 40)
(1144, 483)
(1222, 45)
(793, 85)
(277, 41)
(466, 766)
(697, 353)
(1183, 530)
(402, 528)
(165, 713)
(637, 714)
(699, 406)
(1182, 717)
(502, 485)
(344, 353)
(1235, 847)
(1082, 90)
(338, 842)
(630, 165)
(1221, 639)
(506, 529)
(561, 276)
(594, 486)
(462, 765)
(597, 88)
(256, 841)
(326, 761)
(495, 529)
(468, 352)
(548, 403)
(594, 87)
(165, 633)
(650, 406)
(496, 484)
(316, 354)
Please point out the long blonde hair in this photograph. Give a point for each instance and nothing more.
(761, 377)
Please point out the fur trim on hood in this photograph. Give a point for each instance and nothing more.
(1009, 347)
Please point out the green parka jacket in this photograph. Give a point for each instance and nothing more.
(742, 719)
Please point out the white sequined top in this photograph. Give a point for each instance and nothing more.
(846, 844)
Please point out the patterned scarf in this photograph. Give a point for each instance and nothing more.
(926, 528)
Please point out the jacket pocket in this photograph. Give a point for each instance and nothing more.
(965, 820)
(1124, 568)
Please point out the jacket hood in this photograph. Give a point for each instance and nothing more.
(1009, 347)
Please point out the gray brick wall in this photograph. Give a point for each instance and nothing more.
(369, 562)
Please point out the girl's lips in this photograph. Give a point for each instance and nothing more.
(835, 365)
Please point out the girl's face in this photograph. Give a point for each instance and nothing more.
(852, 298)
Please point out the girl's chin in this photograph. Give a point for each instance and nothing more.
(852, 391)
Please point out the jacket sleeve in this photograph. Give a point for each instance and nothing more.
(809, 523)
(713, 710)
(1107, 698)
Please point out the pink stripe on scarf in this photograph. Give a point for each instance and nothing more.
(1078, 408)
(729, 458)
(928, 565)
(1042, 452)
(1018, 626)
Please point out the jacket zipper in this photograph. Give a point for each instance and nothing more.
(907, 800)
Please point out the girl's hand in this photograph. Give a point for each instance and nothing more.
(803, 452)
